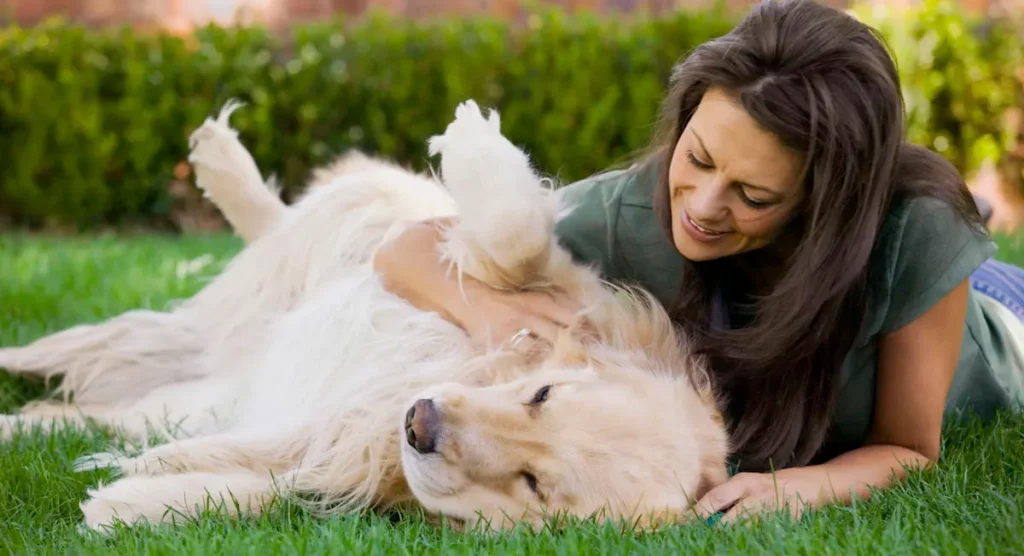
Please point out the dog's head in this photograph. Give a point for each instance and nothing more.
(614, 437)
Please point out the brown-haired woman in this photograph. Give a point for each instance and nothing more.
(823, 264)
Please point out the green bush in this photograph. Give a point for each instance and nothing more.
(958, 72)
(93, 123)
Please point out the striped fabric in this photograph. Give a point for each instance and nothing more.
(1002, 282)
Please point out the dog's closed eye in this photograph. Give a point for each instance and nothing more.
(531, 481)
(541, 396)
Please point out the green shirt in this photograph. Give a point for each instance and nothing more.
(922, 253)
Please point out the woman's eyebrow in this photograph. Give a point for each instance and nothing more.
(740, 183)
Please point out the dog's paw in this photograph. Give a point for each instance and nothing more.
(8, 424)
(8, 359)
(217, 155)
(25, 425)
(479, 165)
(101, 460)
(469, 119)
(99, 515)
(215, 128)
(468, 129)
(102, 512)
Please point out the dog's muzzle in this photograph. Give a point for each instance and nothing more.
(422, 423)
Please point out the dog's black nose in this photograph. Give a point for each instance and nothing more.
(421, 426)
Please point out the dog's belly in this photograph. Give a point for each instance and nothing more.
(351, 345)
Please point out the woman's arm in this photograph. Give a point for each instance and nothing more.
(410, 266)
(916, 365)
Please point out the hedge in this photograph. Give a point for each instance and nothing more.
(94, 122)
(959, 74)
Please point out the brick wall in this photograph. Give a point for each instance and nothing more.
(179, 13)
(182, 14)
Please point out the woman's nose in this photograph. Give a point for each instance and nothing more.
(707, 201)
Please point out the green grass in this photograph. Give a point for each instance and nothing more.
(974, 503)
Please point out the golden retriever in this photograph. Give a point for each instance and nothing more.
(295, 372)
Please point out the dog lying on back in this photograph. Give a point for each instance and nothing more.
(294, 372)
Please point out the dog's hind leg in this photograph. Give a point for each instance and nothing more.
(255, 451)
(171, 411)
(49, 416)
(116, 360)
(228, 175)
(179, 499)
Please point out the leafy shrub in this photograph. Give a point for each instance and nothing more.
(958, 72)
(95, 123)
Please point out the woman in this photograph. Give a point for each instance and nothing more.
(823, 264)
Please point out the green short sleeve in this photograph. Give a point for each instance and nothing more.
(924, 250)
(588, 231)
(612, 225)
(928, 251)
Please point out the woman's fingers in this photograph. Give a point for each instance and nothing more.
(557, 308)
(724, 496)
(497, 317)
(515, 329)
(533, 331)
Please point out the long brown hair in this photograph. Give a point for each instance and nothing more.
(825, 84)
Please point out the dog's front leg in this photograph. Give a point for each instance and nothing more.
(49, 416)
(505, 231)
(257, 452)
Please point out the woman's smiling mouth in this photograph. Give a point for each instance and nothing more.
(699, 232)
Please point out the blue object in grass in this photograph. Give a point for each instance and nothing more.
(714, 518)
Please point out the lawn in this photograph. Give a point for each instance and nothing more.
(973, 503)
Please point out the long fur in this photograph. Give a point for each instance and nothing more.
(296, 363)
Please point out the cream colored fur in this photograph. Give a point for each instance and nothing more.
(292, 371)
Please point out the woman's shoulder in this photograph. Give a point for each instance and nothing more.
(590, 218)
(924, 250)
(610, 223)
(610, 188)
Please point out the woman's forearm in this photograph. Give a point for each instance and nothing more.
(852, 474)
(410, 266)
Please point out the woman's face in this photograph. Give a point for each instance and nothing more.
(733, 185)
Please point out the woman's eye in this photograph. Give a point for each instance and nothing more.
(754, 204)
(541, 396)
(696, 162)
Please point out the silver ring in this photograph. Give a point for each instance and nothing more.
(520, 336)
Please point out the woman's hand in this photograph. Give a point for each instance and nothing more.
(751, 494)
(916, 365)
(840, 480)
(491, 317)
(410, 267)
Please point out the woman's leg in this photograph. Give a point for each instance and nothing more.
(1001, 286)
(1003, 282)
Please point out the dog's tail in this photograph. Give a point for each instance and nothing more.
(117, 360)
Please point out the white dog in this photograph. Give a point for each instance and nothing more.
(295, 372)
